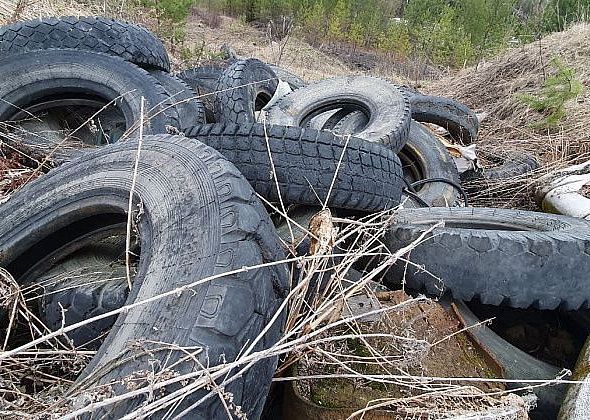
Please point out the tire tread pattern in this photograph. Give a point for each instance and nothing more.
(369, 177)
(98, 34)
(544, 264)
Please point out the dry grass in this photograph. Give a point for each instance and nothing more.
(14, 10)
(493, 87)
(318, 319)
(296, 56)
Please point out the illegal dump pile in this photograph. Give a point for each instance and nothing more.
(193, 235)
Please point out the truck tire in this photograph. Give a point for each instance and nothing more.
(515, 165)
(385, 106)
(461, 122)
(92, 33)
(513, 257)
(203, 80)
(244, 88)
(65, 80)
(197, 217)
(294, 81)
(422, 157)
(190, 109)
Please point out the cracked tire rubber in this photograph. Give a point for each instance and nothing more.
(511, 167)
(512, 257)
(203, 80)
(244, 87)
(422, 157)
(386, 107)
(33, 78)
(198, 218)
(305, 161)
(456, 118)
(97, 34)
(190, 109)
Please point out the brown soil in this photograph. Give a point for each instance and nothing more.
(440, 354)
(207, 36)
(293, 54)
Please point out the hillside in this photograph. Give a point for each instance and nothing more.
(493, 87)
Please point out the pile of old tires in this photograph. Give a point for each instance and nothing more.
(182, 164)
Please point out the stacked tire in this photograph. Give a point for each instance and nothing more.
(88, 80)
(183, 162)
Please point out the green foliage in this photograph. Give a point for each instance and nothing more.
(172, 10)
(558, 14)
(396, 39)
(487, 22)
(445, 32)
(557, 90)
(459, 33)
(338, 18)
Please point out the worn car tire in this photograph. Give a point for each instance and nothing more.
(305, 161)
(422, 157)
(244, 88)
(519, 258)
(513, 166)
(458, 119)
(190, 109)
(197, 217)
(36, 78)
(386, 107)
(97, 34)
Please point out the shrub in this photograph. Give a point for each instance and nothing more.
(557, 90)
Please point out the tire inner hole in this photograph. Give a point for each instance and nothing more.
(85, 121)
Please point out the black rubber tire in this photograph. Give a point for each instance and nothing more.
(190, 109)
(512, 257)
(243, 88)
(199, 218)
(422, 157)
(425, 157)
(305, 160)
(386, 106)
(511, 167)
(87, 283)
(32, 77)
(97, 34)
(294, 81)
(203, 80)
(459, 120)
(517, 364)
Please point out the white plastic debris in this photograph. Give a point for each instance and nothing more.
(559, 191)
(465, 157)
